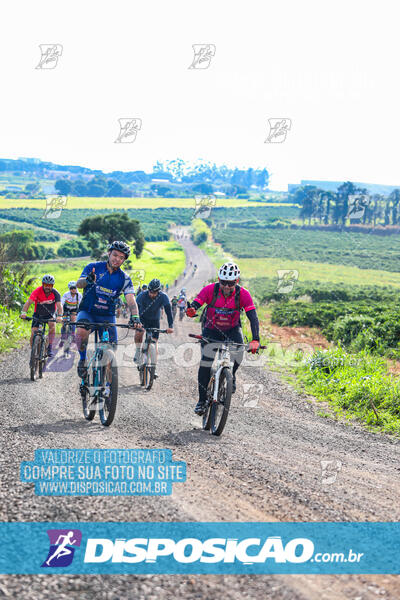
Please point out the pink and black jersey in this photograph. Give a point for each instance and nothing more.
(224, 314)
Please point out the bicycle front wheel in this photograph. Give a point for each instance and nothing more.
(150, 367)
(34, 359)
(87, 400)
(220, 409)
(109, 381)
(210, 394)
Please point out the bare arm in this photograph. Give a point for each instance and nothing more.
(131, 302)
(59, 308)
(26, 306)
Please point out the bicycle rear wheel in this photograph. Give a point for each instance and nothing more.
(220, 409)
(109, 380)
(68, 341)
(34, 358)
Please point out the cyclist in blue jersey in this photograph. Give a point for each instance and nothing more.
(150, 303)
(103, 283)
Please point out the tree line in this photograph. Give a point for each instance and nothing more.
(348, 204)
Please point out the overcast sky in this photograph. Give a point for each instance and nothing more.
(329, 66)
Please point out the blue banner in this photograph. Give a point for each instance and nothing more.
(194, 548)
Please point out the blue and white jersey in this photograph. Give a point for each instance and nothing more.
(99, 298)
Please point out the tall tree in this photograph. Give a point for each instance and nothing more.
(115, 226)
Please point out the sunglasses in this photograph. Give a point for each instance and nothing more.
(48, 284)
(229, 283)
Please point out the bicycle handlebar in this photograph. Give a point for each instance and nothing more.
(103, 325)
(40, 320)
(154, 329)
(229, 342)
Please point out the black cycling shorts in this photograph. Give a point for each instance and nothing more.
(151, 323)
(35, 317)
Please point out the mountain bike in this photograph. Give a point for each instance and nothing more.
(148, 358)
(219, 390)
(69, 335)
(99, 389)
(37, 360)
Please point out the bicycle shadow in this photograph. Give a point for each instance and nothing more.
(16, 380)
(65, 426)
(184, 437)
(136, 388)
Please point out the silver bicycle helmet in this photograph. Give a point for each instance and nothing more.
(48, 279)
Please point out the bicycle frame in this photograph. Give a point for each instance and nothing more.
(222, 359)
(99, 347)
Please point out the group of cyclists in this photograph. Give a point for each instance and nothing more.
(104, 282)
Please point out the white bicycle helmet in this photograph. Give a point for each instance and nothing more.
(229, 272)
(72, 284)
(48, 279)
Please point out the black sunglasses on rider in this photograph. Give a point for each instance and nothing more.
(230, 283)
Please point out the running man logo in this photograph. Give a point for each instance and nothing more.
(128, 130)
(203, 206)
(330, 470)
(278, 129)
(50, 55)
(54, 206)
(252, 392)
(61, 551)
(203, 54)
(357, 205)
(286, 280)
(137, 277)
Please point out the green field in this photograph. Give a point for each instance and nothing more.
(102, 203)
(365, 251)
(308, 271)
(164, 260)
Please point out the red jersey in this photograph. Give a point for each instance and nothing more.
(45, 306)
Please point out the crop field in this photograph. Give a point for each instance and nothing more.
(365, 251)
(154, 223)
(106, 203)
(164, 260)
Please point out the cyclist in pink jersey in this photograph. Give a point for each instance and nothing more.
(221, 321)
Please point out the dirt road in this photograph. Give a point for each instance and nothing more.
(265, 467)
